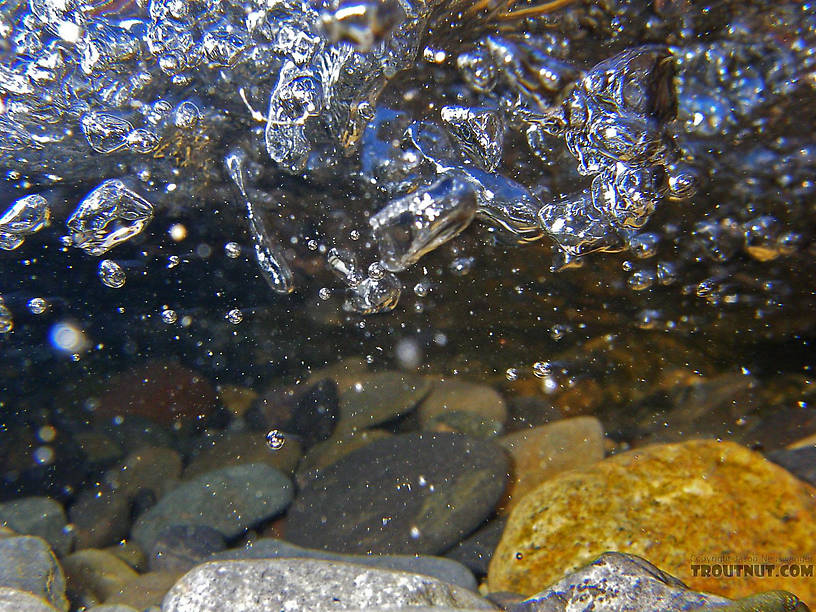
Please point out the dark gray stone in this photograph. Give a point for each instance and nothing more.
(617, 581)
(380, 397)
(477, 549)
(38, 516)
(272, 585)
(411, 494)
(179, 548)
(229, 500)
(316, 414)
(445, 570)
(801, 462)
(28, 564)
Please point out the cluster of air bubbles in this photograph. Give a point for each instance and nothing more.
(151, 104)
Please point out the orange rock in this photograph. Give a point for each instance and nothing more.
(676, 505)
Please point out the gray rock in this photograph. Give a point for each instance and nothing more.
(229, 500)
(415, 493)
(100, 516)
(477, 549)
(38, 516)
(616, 581)
(308, 584)
(799, 461)
(14, 600)
(179, 548)
(445, 570)
(28, 564)
(377, 398)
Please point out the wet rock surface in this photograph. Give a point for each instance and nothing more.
(310, 584)
(38, 516)
(28, 564)
(228, 500)
(434, 489)
(665, 501)
(436, 567)
(617, 581)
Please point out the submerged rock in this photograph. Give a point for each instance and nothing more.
(668, 502)
(307, 584)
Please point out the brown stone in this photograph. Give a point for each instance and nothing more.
(236, 399)
(542, 452)
(671, 504)
(162, 391)
(145, 590)
(94, 575)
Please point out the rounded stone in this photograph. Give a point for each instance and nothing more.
(270, 585)
(240, 448)
(373, 399)
(466, 407)
(180, 547)
(94, 575)
(544, 451)
(413, 493)
(38, 516)
(668, 503)
(15, 600)
(28, 564)
(229, 500)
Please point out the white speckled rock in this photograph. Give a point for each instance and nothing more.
(23, 601)
(308, 584)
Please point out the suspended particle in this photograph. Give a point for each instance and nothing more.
(111, 274)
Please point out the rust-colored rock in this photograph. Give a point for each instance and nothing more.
(673, 504)
(163, 391)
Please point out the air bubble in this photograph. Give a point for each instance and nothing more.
(169, 316)
(234, 316)
(232, 250)
(24, 217)
(275, 439)
(111, 274)
(37, 306)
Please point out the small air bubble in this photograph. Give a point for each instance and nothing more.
(232, 250)
(111, 274)
(234, 316)
(37, 305)
(275, 439)
(169, 316)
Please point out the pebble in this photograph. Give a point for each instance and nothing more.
(412, 493)
(145, 590)
(28, 564)
(669, 502)
(541, 452)
(230, 500)
(14, 600)
(100, 516)
(130, 553)
(162, 391)
(440, 568)
(112, 608)
(476, 550)
(152, 468)
(616, 581)
(374, 399)
(466, 407)
(325, 453)
(239, 448)
(237, 400)
(308, 584)
(94, 575)
(38, 516)
(181, 547)
(315, 416)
